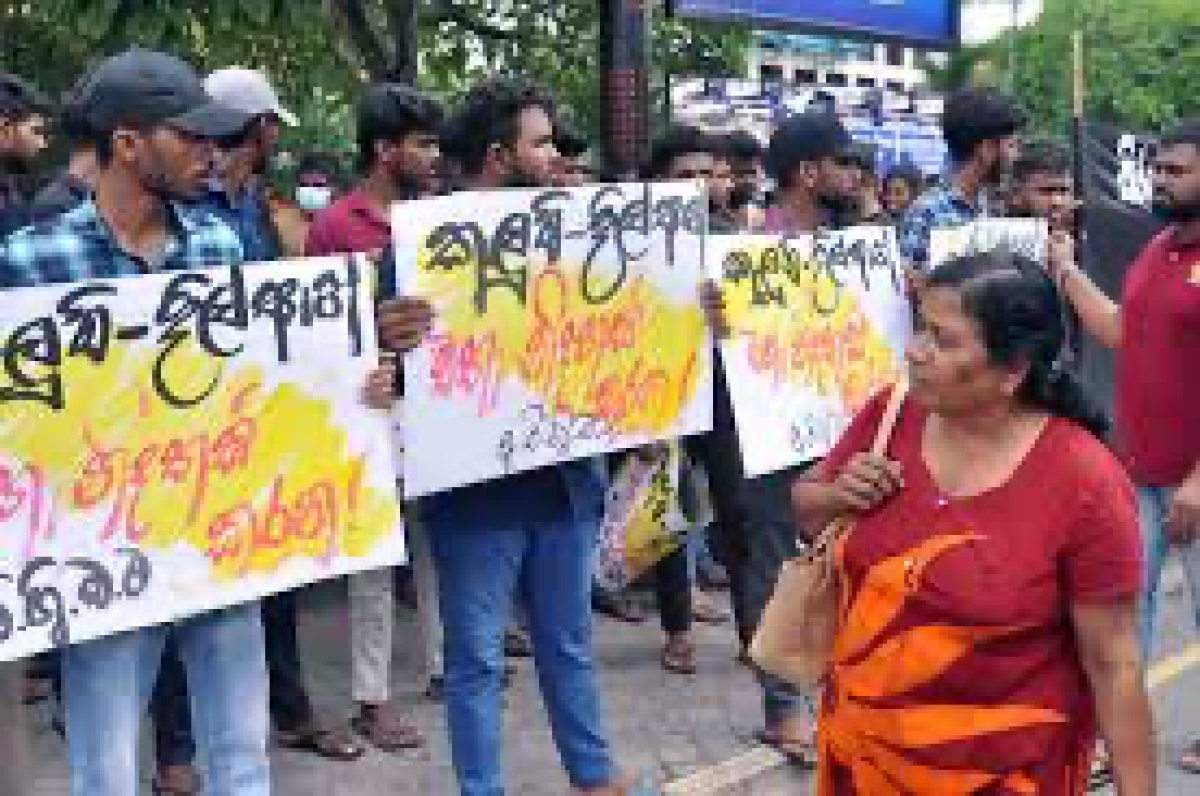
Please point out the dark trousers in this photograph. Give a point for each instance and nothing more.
(291, 708)
(673, 591)
(753, 533)
(16, 762)
(174, 744)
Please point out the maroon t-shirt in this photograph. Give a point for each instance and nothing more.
(957, 663)
(351, 225)
(1158, 369)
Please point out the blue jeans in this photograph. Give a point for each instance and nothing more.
(1153, 503)
(487, 558)
(107, 685)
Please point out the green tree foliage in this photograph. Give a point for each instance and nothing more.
(1142, 62)
(320, 51)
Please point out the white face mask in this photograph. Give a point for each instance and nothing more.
(312, 198)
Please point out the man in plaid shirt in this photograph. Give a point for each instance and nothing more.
(153, 124)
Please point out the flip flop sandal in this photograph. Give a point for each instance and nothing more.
(1101, 775)
(330, 744)
(799, 753)
(387, 732)
(620, 608)
(1189, 761)
(709, 614)
(679, 658)
(517, 644)
(185, 786)
(36, 689)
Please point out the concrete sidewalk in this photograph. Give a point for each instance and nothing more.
(664, 726)
(683, 733)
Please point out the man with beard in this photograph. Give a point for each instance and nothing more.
(981, 128)
(237, 192)
(23, 118)
(745, 155)
(754, 533)
(398, 153)
(531, 534)
(1156, 333)
(152, 124)
(810, 158)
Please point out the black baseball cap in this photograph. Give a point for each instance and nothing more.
(806, 138)
(143, 89)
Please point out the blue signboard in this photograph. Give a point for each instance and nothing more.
(931, 23)
(903, 143)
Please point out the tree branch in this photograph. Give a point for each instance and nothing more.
(450, 11)
(403, 19)
(376, 57)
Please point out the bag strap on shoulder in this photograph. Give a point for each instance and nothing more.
(883, 435)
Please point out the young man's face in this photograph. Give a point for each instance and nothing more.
(691, 166)
(532, 156)
(413, 162)
(720, 185)
(22, 141)
(1045, 195)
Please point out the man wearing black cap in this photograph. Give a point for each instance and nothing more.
(151, 123)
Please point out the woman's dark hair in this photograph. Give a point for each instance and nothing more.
(1021, 320)
(971, 116)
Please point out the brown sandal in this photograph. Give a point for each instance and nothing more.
(679, 656)
(706, 610)
(381, 725)
(175, 781)
(337, 744)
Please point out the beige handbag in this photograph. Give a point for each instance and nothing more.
(795, 637)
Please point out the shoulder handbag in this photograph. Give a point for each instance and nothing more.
(795, 637)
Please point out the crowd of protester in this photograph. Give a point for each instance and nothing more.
(1002, 581)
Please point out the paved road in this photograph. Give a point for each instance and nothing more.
(666, 727)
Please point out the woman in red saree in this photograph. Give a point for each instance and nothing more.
(988, 626)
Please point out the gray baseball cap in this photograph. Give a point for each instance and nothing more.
(249, 91)
(143, 89)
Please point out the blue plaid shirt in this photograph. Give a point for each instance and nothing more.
(79, 245)
(249, 216)
(939, 207)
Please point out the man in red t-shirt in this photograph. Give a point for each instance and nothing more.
(398, 152)
(1156, 330)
